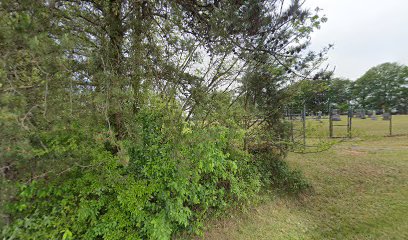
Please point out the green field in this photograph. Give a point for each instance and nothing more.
(360, 191)
(365, 128)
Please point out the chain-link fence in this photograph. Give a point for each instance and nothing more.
(313, 131)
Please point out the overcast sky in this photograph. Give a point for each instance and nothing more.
(365, 33)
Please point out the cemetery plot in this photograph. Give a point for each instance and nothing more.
(335, 117)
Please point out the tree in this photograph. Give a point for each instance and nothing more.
(125, 118)
(383, 87)
(340, 93)
(313, 94)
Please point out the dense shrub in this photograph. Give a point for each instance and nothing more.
(277, 174)
(167, 178)
(132, 119)
(171, 177)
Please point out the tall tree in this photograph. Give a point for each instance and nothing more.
(99, 99)
(313, 94)
(383, 87)
(340, 92)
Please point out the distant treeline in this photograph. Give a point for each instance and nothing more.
(383, 88)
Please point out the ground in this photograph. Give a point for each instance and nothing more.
(360, 191)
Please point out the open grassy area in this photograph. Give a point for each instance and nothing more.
(360, 192)
(363, 128)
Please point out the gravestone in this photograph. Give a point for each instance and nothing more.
(370, 113)
(319, 116)
(386, 116)
(361, 114)
(373, 117)
(335, 116)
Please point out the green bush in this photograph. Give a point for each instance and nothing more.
(277, 173)
(168, 178)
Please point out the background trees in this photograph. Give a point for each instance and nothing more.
(313, 94)
(383, 87)
(340, 93)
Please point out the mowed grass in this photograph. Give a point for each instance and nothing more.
(360, 191)
(361, 128)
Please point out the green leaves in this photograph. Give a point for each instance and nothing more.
(123, 119)
(174, 178)
(383, 87)
(67, 235)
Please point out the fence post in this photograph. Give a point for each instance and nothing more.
(291, 125)
(349, 121)
(304, 125)
(330, 123)
(390, 124)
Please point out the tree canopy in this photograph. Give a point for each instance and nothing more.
(383, 87)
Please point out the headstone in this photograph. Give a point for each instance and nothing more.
(361, 113)
(373, 117)
(386, 116)
(319, 116)
(335, 116)
(370, 113)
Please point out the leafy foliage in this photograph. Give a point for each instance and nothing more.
(383, 87)
(133, 119)
(278, 174)
(313, 94)
(174, 178)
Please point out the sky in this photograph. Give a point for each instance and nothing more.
(365, 33)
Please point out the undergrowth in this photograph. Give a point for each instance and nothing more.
(167, 179)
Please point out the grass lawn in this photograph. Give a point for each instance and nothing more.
(360, 192)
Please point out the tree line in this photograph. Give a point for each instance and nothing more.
(383, 88)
